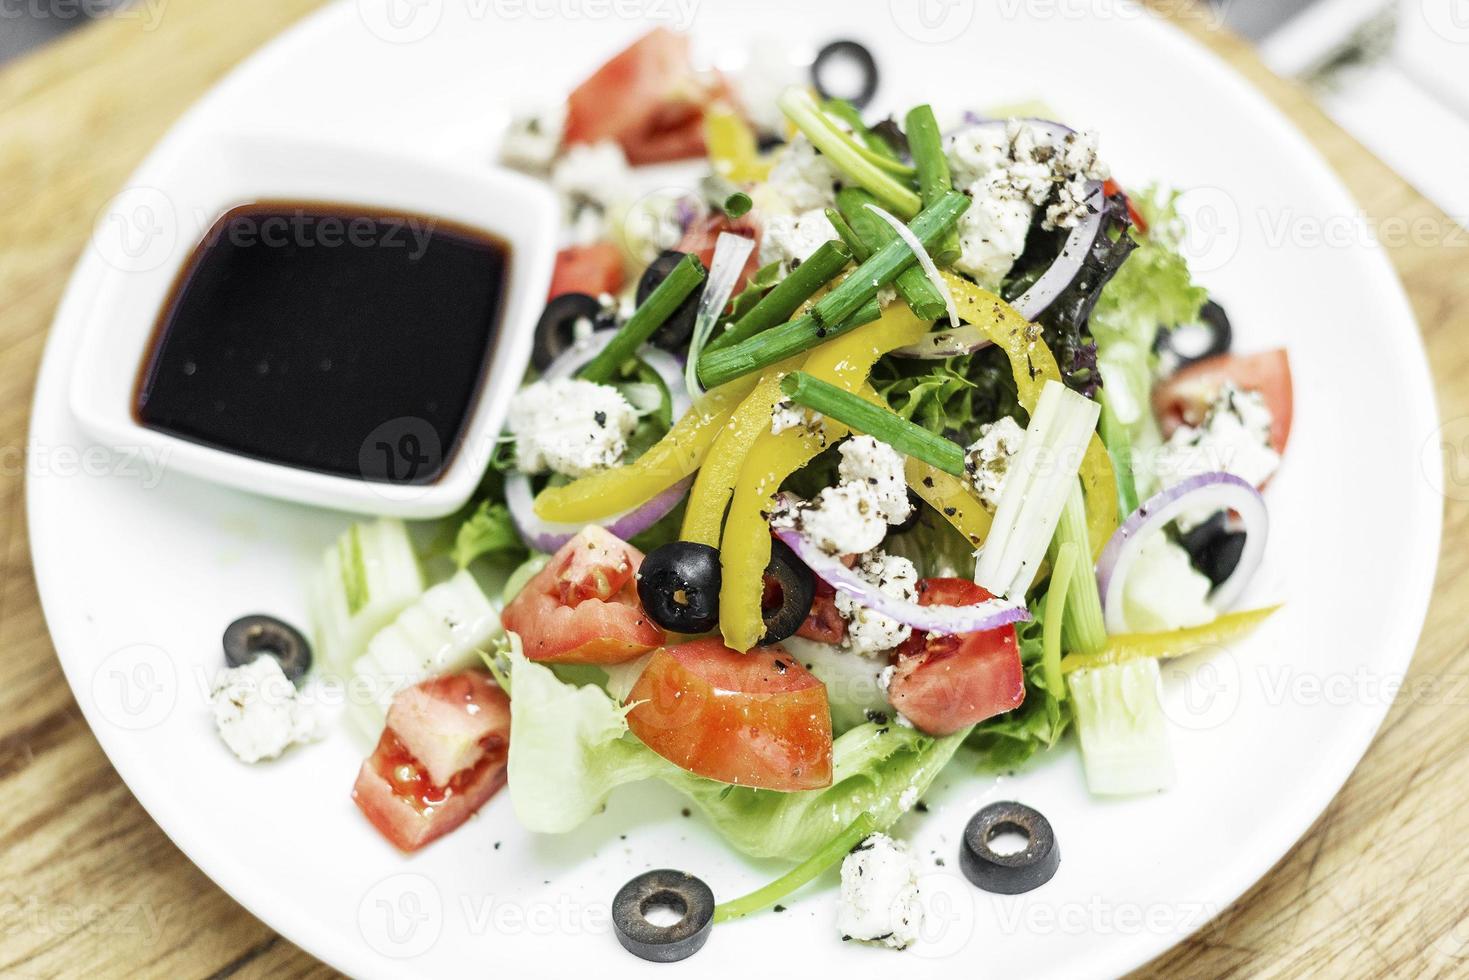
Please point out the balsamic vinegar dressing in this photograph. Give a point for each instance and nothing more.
(345, 340)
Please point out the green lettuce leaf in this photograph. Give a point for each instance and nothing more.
(1153, 290)
(570, 747)
(488, 530)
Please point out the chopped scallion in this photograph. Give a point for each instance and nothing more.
(883, 424)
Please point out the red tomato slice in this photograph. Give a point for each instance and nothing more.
(440, 758)
(945, 683)
(583, 607)
(648, 98)
(703, 235)
(592, 269)
(1186, 396)
(757, 719)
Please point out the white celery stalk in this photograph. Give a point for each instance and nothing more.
(1040, 478)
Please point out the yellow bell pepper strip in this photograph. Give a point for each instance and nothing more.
(721, 468)
(671, 459)
(952, 497)
(1125, 647)
(846, 363)
(1033, 364)
(733, 149)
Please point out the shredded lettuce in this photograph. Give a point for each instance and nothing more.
(1152, 290)
(953, 397)
(488, 530)
(570, 747)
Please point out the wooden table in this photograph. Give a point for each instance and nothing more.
(88, 883)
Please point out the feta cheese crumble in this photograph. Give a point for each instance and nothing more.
(569, 426)
(532, 140)
(591, 174)
(869, 632)
(1233, 438)
(792, 239)
(879, 901)
(987, 460)
(1010, 174)
(789, 415)
(801, 180)
(852, 517)
(880, 468)
(257, 711)
(842, 520)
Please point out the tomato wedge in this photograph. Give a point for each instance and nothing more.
(583, 607)
(441, 756)
(945, 683)
(592, 269)
(648, 98)
(702, 236)
(758, 719)
(1186, 396)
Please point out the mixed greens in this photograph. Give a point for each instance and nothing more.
(869, 470)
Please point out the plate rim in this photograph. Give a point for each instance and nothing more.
(1114, 958)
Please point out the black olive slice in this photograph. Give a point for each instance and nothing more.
(1008, 874)
(674, 334)
(1210, 336)
(556, 330)
(893, 134)
(1213, 548)
(685, 895)
(790, 589)
(251, 636)
(679, 585)
(858, 55)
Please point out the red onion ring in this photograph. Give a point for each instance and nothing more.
(664, 364)
(1220, 491)
(1053, 282)
(548, 536)
(946, 620)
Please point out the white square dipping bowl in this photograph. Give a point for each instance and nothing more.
(147, 235)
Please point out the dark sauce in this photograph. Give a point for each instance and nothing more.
(344, 340)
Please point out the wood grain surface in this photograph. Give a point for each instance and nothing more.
(90, 886)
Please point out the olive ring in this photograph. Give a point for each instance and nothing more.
(676, 890)
(855, 52)
(251, 636)
(1008, 874)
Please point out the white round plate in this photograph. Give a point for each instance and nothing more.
(140, 568)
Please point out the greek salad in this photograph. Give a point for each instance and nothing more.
(881, 445)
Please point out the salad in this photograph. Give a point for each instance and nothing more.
(881, 447)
